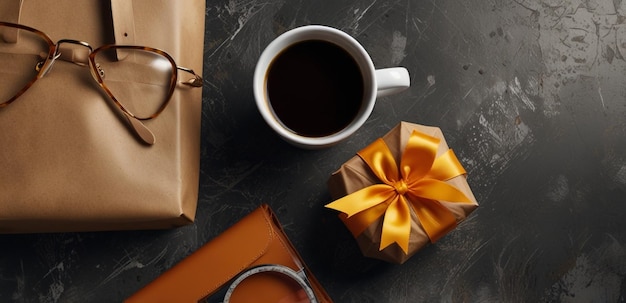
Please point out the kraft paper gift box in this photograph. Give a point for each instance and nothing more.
(401, 192)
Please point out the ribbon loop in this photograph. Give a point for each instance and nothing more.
(417, 184)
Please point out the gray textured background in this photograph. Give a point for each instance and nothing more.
(529, 94)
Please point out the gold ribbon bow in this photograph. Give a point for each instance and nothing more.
(418, 182)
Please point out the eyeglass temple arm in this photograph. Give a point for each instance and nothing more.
(196, 81)
(140, 129)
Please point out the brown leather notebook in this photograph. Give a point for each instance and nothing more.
(205, 276)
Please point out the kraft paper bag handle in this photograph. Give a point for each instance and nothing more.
(10, 13)
(123, 21)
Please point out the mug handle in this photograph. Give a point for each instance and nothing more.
(392, 80)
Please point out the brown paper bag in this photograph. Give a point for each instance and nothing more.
(68, 161)
(355, 174)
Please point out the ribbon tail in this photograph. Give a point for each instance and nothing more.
(359, 222)
(363, 207)
(362, 199)
(397, 225)
(436, 219)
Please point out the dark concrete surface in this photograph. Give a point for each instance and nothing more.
(529, 94)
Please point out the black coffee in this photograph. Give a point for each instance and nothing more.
(315, 88)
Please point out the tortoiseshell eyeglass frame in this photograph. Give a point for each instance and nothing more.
(54, 53)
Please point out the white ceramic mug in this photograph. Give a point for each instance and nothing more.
(376, 83)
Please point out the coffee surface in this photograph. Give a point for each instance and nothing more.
(315, 88)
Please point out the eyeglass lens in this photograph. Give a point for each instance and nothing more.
(140, 80)
(21, 57)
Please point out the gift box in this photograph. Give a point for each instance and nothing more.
(401, 192)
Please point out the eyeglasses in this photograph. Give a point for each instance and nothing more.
(139, 80)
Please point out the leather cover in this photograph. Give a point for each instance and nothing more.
(255, 240)
(68, 162)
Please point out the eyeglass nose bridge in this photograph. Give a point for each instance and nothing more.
(78, 56)
(68, 54)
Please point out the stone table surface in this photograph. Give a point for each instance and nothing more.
(529, 94)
